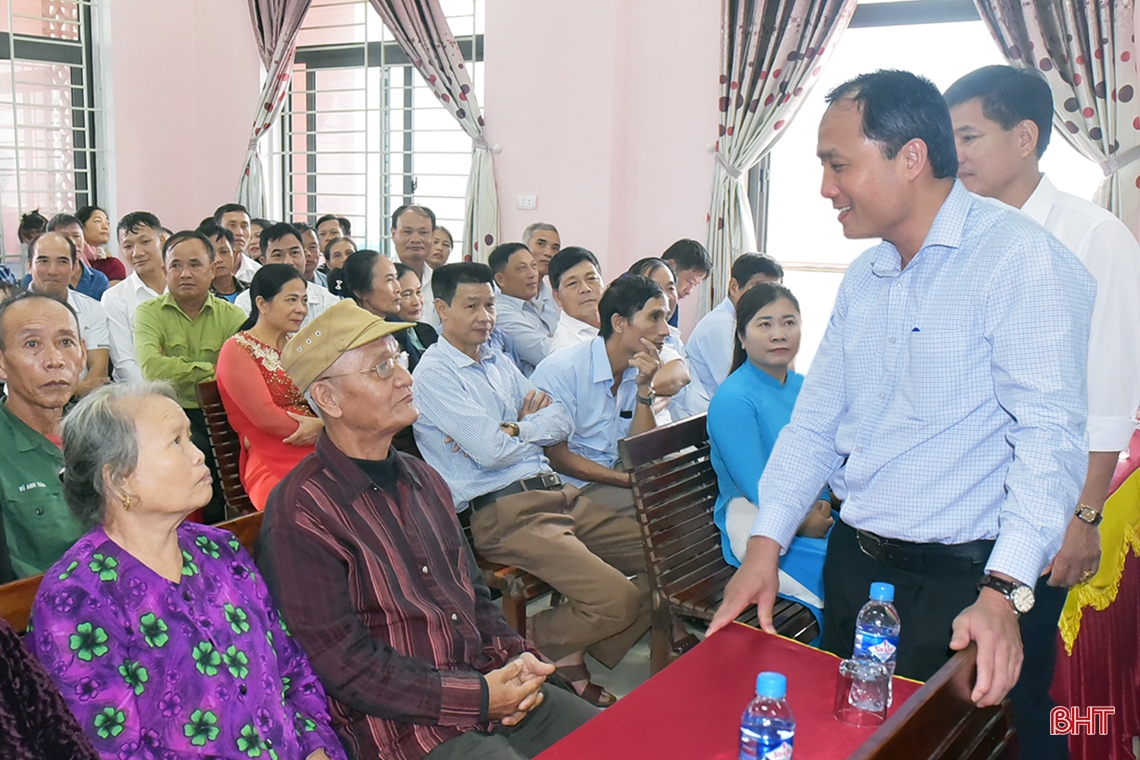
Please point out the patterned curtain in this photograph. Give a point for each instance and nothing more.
(275, 25)
(1085, 50)
(422, 32)
(772, 52)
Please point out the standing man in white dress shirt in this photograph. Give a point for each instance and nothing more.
(235, 218)
(412, 235)
(52, 257)
(140, 242)
(1002, 122)
(543, 242)
(520, 315)
(282, 245)
(576, 281)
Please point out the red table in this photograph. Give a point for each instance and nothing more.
(691, 710)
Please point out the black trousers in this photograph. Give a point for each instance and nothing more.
(927, 605)
(215, 511)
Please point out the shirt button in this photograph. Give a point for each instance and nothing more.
(424, 569)
(891, 339)
(454, 618)
(858, 449)
(39, 511)
(242, 689)
(882, 395)
(186, 595)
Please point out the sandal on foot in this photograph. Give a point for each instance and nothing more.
(593, 693)
(684, 644)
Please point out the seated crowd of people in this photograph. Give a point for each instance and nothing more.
(383, 404)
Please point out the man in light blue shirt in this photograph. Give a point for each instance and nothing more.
(946, 405)
(709, 349)
(520, 315)
(606, 383)
(543, 242)
(482, 425)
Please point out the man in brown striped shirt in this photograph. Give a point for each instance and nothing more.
(364, 555)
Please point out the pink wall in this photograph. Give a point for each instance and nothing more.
(184, 83)
(604, 110)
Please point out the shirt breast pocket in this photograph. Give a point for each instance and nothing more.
(946, 373)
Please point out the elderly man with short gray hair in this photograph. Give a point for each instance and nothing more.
(363, 552)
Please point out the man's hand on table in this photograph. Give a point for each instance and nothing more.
(514, 689)
(756, 581)
(992, 623)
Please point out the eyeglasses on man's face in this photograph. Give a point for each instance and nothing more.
(384, 370)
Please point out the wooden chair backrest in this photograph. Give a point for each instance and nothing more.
(16, 597)
(940, 722)
(675, 489)
(227, 448)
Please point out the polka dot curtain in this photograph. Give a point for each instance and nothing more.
(275, 25)
(771, 55)
(1087, 53)
(422, 32)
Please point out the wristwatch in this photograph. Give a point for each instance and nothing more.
(647, 400)
(1088, 514)
(1019, 595)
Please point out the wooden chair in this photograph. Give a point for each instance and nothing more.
(16, 597)
(227, 450)
(939, 722)
(674, 491)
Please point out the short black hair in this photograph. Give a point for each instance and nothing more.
(751, 302)
(182, 237)
(447, 279)
(35, 243)
(357, 272)
(647, 266)
(688, 254)
(897, 107)
(345, 226)
(132, 221)
(625, 296)
(262, 223)
(275, 232)
(228, 208)
(1009, 96)
(212, 231)
(59, 221)
(748, 265)
(566, 259)
(334, 241)
(501, 256)
(85, 213)
(27, 295)
(302, 227)
(403, 269)
(31, 224)
(267, 282)
(414, 207)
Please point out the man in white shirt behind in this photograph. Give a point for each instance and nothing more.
(710, 344)
(576, 281)
(140, 241)
(282, 245)
(235, 218)
(52, 257)
(1002, 121)
(544, 243)
(413, 230)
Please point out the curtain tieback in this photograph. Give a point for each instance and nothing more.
(480, 143)
(1115, 163)
(729, 169)
(253, 142)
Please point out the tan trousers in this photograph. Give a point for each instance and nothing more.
(615, 499)
(585, 552)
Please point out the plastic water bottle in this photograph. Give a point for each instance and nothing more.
(877, 631)
(768, 728)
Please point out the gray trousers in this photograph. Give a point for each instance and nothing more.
(560, 713)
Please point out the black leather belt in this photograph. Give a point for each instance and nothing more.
(933, 558)
(546, 481)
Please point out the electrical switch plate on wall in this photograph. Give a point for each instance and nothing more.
(528, 202)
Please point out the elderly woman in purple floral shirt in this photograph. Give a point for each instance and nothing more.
(161, 633)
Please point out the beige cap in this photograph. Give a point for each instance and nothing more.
(345, 326)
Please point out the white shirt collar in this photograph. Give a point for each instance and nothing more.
(1041, 201)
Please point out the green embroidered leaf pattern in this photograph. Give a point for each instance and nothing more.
(88, 642)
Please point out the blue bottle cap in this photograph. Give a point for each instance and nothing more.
(771, 685)
(882, 592)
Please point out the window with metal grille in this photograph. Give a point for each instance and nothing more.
(48, 145)
(361, 134)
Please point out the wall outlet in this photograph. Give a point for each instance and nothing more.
(528, 202)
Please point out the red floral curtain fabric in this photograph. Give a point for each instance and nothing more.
(771, 55)
(275, 25)
(1086, 52)
(422, 32)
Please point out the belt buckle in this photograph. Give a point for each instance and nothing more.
(864, 537)
(549, 480)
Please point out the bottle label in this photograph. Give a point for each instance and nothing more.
(879, 648)
(783, 751)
